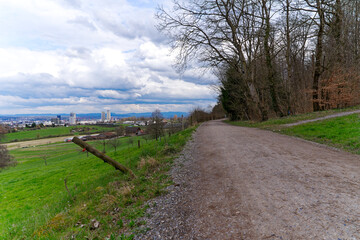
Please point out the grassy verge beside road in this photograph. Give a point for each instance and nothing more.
(97, 202)
(276, 123)
(340, 132)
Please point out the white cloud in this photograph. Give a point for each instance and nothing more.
(112, 94)
(63, 55)
(20, 60)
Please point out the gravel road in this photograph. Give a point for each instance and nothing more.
(241, 183)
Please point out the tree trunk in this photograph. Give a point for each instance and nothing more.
(356, 35)
(103, 157)
(271, 74)
(288, 57)
(318, 57)
(338, 33)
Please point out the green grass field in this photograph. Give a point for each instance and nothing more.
(36, 205)
(29, 134)
(340, 132)
(275, 123)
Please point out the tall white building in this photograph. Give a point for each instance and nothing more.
(72, 119)
(103, 116)
(108, 116)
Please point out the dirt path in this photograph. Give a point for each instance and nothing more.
(32, 143)
(322, 118)
(245, 183)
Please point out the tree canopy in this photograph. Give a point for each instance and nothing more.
(272, 58)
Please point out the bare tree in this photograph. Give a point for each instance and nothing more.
(156, 127)
(45, 157)
(115, 142)
(199, 115)
(234, 37)
(271, 57)
(295, 28)
(146, 137)
(104, 142)
(211, 32)
(318, 69)
(120, 131)
(268, 44)
(130, 141)
(218, 111)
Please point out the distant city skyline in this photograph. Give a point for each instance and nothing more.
(72, 118)
(103, 116)
(108, 115)
(86, 56)
(98, 116)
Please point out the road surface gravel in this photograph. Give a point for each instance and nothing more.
(244, 183)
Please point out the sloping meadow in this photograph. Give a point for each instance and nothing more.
(58, 191)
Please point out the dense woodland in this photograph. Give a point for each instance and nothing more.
(272, 58)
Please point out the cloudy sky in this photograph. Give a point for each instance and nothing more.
(85, 56)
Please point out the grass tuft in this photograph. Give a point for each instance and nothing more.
(148, 162)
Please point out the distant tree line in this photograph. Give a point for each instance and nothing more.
(199, 115)
(272, 58)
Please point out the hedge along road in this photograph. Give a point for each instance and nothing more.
(256, 184)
